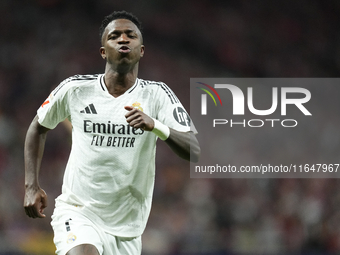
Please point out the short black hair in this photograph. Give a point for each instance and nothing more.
(119, 15)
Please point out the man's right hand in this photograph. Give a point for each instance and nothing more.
(35, 202)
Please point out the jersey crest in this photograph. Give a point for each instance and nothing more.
(137, 106)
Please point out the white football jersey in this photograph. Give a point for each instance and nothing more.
(111, 169)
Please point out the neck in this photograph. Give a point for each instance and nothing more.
(119, 82)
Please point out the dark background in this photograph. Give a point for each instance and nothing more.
(42, 42)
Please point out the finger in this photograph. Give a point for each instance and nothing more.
(31, 212)
(41, 213)
(133, 124)
(34, 211)
(43, 205)
(44, 201)
(131, 113)
(28, 212)
(134, 119)
(38, 212)
(137, 117)
(129, 108)
(138, 125)
(28, 209)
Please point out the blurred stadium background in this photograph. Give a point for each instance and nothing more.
(43, 42)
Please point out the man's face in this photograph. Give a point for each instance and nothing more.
(122, 43)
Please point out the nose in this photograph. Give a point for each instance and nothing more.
(123, 39)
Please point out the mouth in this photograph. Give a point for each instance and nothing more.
(124, 49)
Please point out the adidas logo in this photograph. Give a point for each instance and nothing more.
(89, 109)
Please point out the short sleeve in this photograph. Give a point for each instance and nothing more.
(55, 109)
(171, 112)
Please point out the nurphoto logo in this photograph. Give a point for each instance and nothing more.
(266, 127)
(239, 98)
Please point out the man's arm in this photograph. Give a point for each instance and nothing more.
(35, 200)
(184, 144)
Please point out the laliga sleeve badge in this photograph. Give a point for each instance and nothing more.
(71, 238)
(137, 106)
(47, 101)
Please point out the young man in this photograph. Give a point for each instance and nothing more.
(116, 119)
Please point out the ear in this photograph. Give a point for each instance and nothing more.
(142, 50)
(102, 52)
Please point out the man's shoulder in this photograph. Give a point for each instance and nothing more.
(80, 79)
(159, 88)
(152, 85)
(76, 81)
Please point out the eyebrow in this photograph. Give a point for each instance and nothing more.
(126, 31)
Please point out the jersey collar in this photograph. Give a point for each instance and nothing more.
(104, 88)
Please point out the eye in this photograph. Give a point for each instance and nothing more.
(112, 37)
(132, 36)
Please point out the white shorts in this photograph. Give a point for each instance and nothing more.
(72, 229)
